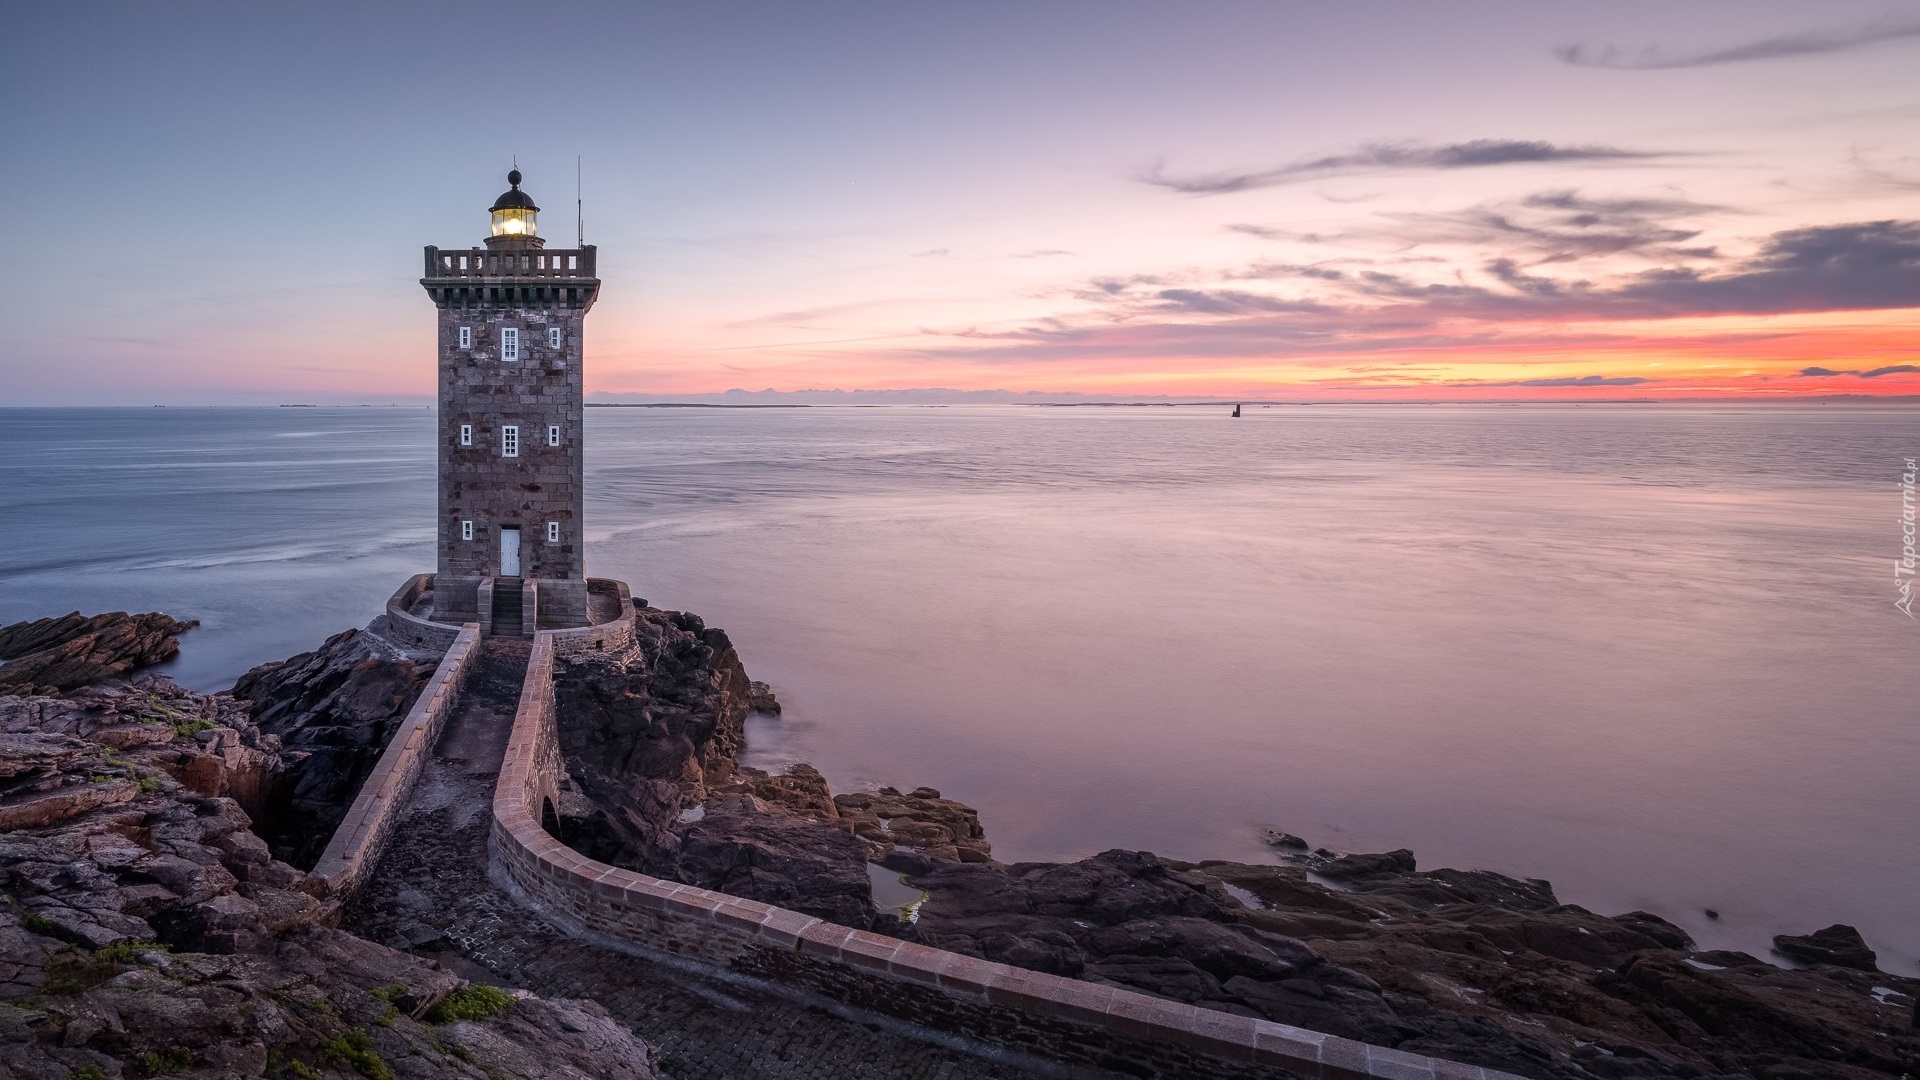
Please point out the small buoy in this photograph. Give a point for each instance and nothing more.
(1712, 914)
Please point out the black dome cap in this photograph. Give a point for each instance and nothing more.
(513, 198)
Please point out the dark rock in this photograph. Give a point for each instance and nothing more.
(253, 982)
(1840, 945)
(744, 851)
(334, 710)
(920, 819)
(761, 699)
(1344, 867)
(1657, 928)
(800, 791)
(1283, 840)
(648, 731)
(51, 656)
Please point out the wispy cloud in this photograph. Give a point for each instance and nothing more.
(1560, 225)
(1042, 253)
(1805, 43)
(1387, 156)
(1848, 267)
(1582, 380)
(1874, 373)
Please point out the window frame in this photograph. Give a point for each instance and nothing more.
(466, 529)
(510, 440)
(466, 434)
(553, 434)
(466, 337)
(555, 338)
(553, 532)
(509, 344)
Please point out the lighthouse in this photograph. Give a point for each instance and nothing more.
(511, 506)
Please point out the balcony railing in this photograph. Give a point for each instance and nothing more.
(481, 263)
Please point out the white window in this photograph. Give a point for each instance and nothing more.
(553, 434)
(466, 530)
(466, 334)
(553, 336)
(466, 434)
(509, 345)
(510, 441)
(573, 262)
(553, 532)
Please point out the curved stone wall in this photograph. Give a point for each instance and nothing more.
(610, 636)
(411, 628)
(1049, 1016)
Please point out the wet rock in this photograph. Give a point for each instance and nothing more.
(51, 656)
(1344, 867)
(1657, 928)
(800, 791)
(740, 849)
(648, 731)
(1840, 945)
(920, 819)
(1284, 841)
(761, 699)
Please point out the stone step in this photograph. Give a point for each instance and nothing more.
(507, 608)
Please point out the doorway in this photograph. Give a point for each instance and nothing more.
(510, 552)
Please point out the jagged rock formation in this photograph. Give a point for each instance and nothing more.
(147, 931)
(739, 848)
(646, 732)
(47, 656)
(1469, 965)
(920, 819)
(1839, 945)
(333, 710)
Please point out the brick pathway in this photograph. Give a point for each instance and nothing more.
(430, 895)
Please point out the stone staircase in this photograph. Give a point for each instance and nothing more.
(506, 607)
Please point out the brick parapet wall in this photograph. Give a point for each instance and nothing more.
(360, 836)
(610, 636)
(411, 628)
(1058, 1018)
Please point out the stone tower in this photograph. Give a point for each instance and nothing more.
(511, 501)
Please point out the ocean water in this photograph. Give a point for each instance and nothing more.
(1649, 653)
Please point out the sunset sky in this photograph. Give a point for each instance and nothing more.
(225, 203)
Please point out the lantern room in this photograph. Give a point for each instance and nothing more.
(515, 218)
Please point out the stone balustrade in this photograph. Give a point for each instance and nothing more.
(534, 263)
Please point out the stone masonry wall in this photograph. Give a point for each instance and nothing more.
(478, 483)
(403, 624)
(360, 836)
(1063, 1019)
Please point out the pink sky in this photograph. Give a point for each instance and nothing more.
(1377, 202)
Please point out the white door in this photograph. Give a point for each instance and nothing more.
(509, 552)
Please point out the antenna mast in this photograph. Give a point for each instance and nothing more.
(579, 209)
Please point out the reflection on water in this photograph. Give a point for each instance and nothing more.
(892, 894)
(1649, 653)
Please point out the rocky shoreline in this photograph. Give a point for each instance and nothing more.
(1472, 965)
(152, 843)
(149, 930)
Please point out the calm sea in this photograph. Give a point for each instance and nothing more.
(1647, 652)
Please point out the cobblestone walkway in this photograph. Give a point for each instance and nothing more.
(431, 895)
